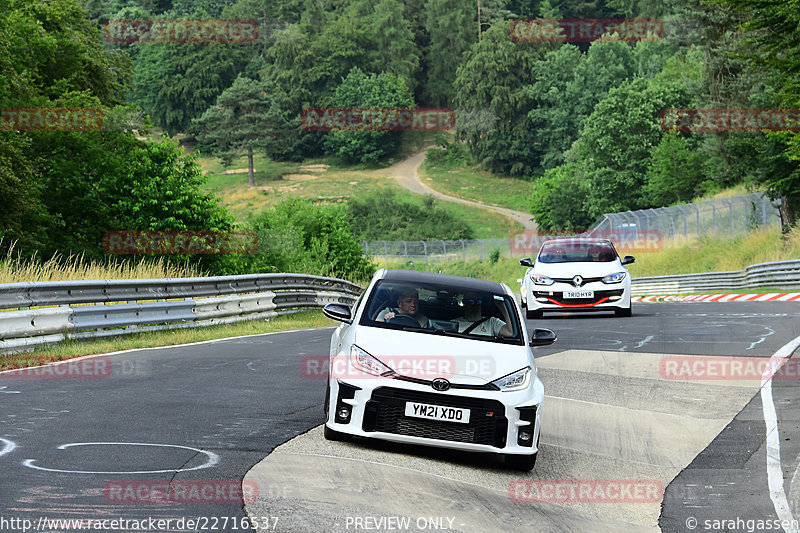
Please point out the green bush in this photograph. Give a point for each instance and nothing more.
(383, 216)
(298, 236)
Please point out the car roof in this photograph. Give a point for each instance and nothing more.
(576, 240)
(411, 276)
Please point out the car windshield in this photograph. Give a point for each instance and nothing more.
(443, 310)
(575, 252)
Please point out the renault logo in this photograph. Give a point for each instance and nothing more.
(577, 281)
(440, 384)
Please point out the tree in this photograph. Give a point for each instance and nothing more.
(176, 82)
(770, 43)
(244, 119)
(617, 140)
(361, 90)
(492, 80)
(559, 197)
(396, 49)
(675, 171)
(451, 26)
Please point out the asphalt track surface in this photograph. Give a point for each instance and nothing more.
(212, 411)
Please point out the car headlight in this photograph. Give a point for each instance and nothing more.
(363, 361)
(514, 381)
(616, 277)
(538, 279)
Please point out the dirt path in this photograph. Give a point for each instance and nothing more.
(406, 173)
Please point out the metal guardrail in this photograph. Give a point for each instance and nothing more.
(780, 274)
(36, 313)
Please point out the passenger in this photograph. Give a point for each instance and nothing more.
(407, 304)
(473, 322)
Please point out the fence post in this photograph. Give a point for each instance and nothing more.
(480, 256)
(730, 211)
(463, 250)
(385, 250)
(405, 250)
(366, 248)
(425, 251)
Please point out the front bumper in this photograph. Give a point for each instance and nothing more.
(497, 422)
(551, 298)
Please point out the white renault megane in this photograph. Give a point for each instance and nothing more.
(436, 360)
(576, 274)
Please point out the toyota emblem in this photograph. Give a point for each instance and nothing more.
(440, 384)
(577, 281)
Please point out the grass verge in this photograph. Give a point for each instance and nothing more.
(14, 269)
(75, 348)
(472, 183)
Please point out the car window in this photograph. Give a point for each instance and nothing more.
(573, 252)
(444, 310)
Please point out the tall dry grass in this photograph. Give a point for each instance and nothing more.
(14, 268)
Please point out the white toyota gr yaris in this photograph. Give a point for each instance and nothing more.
(436, 360)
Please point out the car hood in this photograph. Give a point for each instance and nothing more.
(585, 269)
(428, 356)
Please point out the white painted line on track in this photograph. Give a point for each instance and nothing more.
(7, 448)
(212, 460)
(774, 469)
(169, 346)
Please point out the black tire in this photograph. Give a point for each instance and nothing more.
(533, 314)
(521, 462)
(332, 434)
(623, 312)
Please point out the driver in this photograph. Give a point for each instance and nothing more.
(407, 304)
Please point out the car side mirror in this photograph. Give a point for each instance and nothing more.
(338, 312)
(542, 337)
(526, 262)
(628, 259)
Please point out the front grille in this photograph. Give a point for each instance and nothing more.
(569, 280)
(385, 412)
(558, 296)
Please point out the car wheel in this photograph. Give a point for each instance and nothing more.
(332, 434)
(529, 313)
(623, 312)
(521, 462)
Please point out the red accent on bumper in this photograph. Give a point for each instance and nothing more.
(598, 302)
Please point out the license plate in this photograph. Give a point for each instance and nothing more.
(578, 294)
(437, 412)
